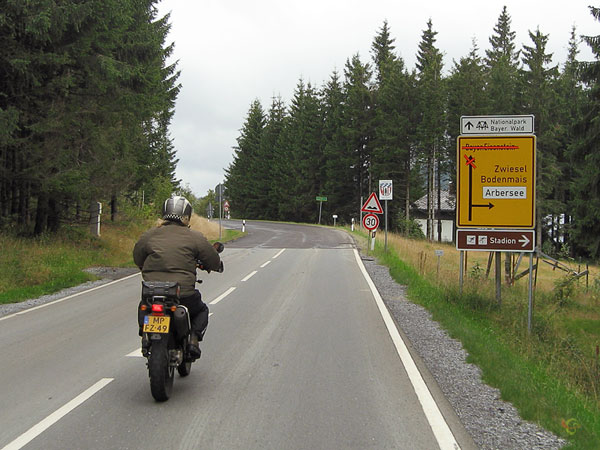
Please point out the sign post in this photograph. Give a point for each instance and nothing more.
(371, 207)
(496, 181)
(321, 199)
(386, 193)
(219, 188)
(371, 222)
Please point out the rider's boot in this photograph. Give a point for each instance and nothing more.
(193, 347)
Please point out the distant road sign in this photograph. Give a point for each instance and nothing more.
(371, 222)
(497, 124)
(385, 189)
(321, 199)
(372, 205)
(495, 240)
(496, 182)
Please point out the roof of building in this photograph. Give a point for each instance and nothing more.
(448, 201)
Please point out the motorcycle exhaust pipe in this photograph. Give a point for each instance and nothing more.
(181, 320)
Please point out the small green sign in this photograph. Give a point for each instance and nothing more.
(321, 199)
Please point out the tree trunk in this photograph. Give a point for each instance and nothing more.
(53, 215)
(407, 206)
(113, 208)
(24, 204)
(41, 215)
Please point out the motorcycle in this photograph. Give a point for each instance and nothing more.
(166, 333)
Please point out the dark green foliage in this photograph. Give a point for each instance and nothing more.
(85, 100)
(243, 181)
(431, 110)
(502, 64)
(539, 98)
(380, 120)
(585, 199)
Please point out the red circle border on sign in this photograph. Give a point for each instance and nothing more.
(376, 222)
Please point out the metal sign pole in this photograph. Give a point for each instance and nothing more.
(530, 294)
(220, 210)
(462, 271)
(386, 228)
(498, 278)
(320, 208)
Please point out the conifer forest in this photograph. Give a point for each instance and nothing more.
(87, 96)
(380, 119)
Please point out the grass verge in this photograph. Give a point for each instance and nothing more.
(508, 362)
(32, 267)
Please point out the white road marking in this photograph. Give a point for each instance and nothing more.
(25, 311)
(280, 252)
(265, 264)
(222, 296)
(42, 426)
(136, 353)
(436, 420)
(250, 275)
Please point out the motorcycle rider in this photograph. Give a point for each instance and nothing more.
(169, 253)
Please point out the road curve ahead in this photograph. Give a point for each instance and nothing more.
(297, 356)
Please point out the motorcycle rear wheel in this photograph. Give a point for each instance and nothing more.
(161, 373)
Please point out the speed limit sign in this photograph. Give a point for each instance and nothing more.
(371, 222)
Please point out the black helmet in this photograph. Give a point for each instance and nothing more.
(176, 208)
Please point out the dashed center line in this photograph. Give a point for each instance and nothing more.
(138, 352)
(250, 275)
(222, 296)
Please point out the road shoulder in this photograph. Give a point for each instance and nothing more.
(456, 384)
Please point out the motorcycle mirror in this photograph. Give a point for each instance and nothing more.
(219, 247)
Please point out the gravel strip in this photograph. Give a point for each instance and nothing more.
(491, 422)
(106, 274)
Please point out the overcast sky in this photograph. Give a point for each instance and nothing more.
(231, 52)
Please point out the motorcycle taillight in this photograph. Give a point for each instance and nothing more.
(158, 308)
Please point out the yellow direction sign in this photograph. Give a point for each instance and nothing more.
(496, 181)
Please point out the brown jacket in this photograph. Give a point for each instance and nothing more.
(170, 252)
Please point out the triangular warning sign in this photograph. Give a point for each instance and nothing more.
(372, 205)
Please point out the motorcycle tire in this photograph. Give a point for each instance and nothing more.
(161, 373)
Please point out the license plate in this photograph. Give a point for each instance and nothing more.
(156, 324)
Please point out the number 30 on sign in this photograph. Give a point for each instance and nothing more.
(371, 222)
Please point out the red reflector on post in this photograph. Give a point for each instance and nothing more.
(158, 308)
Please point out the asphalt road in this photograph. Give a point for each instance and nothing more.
(297, 356)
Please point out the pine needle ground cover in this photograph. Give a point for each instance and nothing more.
(552, 375)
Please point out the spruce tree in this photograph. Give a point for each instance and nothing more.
(502, 65)
(585, 231)
(272, 162)
(539, 99)
(358, 122)
(241, 182)
(305, 154)
(431, 128)
(569, 107)
(339, 184)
